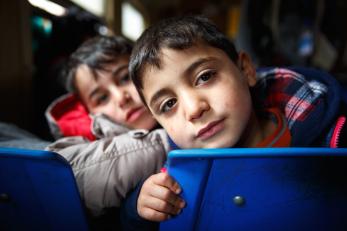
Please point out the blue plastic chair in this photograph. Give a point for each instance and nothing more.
(260, 189)
(38, 192)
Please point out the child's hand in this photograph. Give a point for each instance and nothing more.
(158, 199)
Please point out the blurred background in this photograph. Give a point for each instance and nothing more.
(38, 36)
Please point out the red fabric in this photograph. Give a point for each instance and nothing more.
(73, 118)
(284, 139)
(334, 142)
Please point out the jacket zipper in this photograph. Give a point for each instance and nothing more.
(337, 131)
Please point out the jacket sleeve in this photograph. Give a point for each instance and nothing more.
(107, 169)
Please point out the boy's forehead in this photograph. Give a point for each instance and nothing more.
(176, 60)
(148, 74)
(85, 75)
(110, 65)
(83, 70)
(84, 79)
(114, 63)
(164, 60)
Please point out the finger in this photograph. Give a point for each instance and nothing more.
(154, 215)
(166, 180)
(167, 195)
(162, 206)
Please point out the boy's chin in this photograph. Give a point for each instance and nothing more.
(216, 144)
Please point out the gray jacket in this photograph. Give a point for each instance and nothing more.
(108, 168)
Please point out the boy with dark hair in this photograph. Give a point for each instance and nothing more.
(103, 127)
(207, 95)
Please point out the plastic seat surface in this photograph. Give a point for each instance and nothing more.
(260, 189)
(38, 192)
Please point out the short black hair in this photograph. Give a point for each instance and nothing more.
(177, 33)
(95, 53)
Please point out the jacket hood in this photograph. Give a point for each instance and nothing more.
(67, 116)
(310, 99)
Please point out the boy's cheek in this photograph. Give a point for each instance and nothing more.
(176, 134)
(171, 131)
(182, 140)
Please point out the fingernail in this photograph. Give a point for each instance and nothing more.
(178, 190)
(182, 204)
(163, 169)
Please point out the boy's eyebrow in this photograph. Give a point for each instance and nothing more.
(197, 63)
(157, 95)
(119, 69)
(93, 92)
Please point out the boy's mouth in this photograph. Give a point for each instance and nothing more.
(134, 114)
(210, 129)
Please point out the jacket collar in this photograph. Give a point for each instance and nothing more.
(309, 99)
(67, 116)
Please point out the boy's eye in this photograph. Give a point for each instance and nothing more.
(204, 77)
(124, 80)
(167, 105)
(101, 99)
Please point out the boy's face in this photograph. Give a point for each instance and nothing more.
(200, 96)
(113, 94)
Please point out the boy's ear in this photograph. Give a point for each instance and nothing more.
(247, 68)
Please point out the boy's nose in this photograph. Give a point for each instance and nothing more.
(195, 108)
(122, 97)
